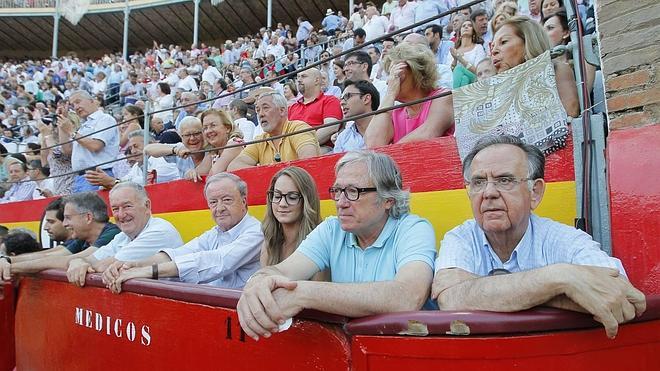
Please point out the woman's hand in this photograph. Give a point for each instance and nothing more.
(193, 175)
(396, 77)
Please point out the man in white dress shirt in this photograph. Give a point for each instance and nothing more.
(224, 256)
(141, 234)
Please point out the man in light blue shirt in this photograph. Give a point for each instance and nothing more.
(507, 259)
(358, 98)
(380, 256)
(330, 23)
(224, 256)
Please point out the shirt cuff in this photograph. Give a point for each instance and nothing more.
(187, 267)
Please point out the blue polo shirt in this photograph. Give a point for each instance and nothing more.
(404, 240)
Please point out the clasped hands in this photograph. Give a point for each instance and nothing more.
(120, 271)
(266, 303)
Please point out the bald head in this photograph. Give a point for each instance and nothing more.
(309, 82)
(416, 39)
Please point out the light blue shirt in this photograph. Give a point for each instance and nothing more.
(404, 240)
(81, 157)
(349, 139)
(427, 9)
(156, 235)
(331, 22)
(443, 51)
(545, 242)
(222, 259)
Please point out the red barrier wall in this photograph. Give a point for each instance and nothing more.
(7, 304)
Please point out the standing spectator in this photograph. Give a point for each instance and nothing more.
(357, 19)
(388, 6)
(403, 15)
(330, 23)
(90, 151)
(480, 20)
(375, 25)
(131, 90)
(429, 8)
(438, 45)
(304, 30)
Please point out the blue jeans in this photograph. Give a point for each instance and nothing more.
(80, 184)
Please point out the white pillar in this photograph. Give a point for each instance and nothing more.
(147, 136)
(196, 25)
(127, 11)
(56, 28)
(351, 5)
(269, 17)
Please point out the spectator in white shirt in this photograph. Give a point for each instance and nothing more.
(225, 256)
(375, 25)
(402, 15)
(275, 48)
(186, 82)
(211, 73)
(238, 111)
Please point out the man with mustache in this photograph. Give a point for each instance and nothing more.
(507, 259)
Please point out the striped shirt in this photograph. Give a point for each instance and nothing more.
(20, 191)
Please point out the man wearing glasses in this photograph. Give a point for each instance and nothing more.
(358, 67)
(507, 259)
(380, 256)
(224, 256)
(358, 98)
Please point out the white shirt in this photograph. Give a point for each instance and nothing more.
(276, 50)
(165, 171)
(403, 16)
(81, 157)
(247, 128)
(157, 234)
(211, 75)
(222, 259)
(187, 84)
(375, 27)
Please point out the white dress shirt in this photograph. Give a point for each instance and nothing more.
(219, 258)
(165, 171)
(158, 234)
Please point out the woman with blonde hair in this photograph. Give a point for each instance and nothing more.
(520, 39)
(292, 212)
(219, 131)
(412, 76)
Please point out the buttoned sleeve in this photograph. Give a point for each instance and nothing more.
(415, 242)
(317, 245)
(214, 262)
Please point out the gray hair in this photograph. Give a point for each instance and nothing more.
(138, 188)
(89, 202)
(139, 133)
(386, 176)
(83, 93)
(240, 183)
(278, 99)
(189, 120)
(535, 158)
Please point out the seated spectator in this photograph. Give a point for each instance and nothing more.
(508, 259)
(163, 101)
(219, 131)
(480, 20)
(359, 38)
(359, 97)
(485, 69)
(131, 89)
(40, 174)
(224, 256)
(445, 74)
(439, 46)
(17, 242)
(271, 109)
(238, 110)
(373, 219)
(315, 108)
(520, 39)
(412, 76)
(141, 234)
(496, 23)
(163, 132)
(22, 188)
(549, 7)
(288, 223)
(87, 152)
(160, 171)
(186, 82)
(338, 71)
(357, 66)
(192, 141)
(85, 216)
(291, 93)
(188, 100)
(328, 89)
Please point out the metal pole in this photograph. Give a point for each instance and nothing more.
(127, 11)
(147, 136)
(350, 8)
(269, 17)
(196, 25)
(56, 28)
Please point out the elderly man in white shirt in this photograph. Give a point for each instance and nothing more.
(402, 15)
(225, 256)
(141, 234)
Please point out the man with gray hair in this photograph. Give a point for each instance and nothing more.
(141, 234)
(507, 259)
(271, 108)
(85, 215)
(225, 256)
(375, 249)
(98, 148)
(188, 99)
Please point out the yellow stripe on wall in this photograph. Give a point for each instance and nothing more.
(444, 209)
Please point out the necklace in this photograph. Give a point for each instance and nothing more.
(413, 111)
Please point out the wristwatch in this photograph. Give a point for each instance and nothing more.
(8, 259)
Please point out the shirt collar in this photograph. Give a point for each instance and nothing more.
(384, 235)
(236, 230)
(94, 115)
(301, 100)
(520, 254)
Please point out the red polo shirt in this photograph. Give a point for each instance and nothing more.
(314, 112)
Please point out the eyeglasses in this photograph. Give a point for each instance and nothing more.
(350, 63)
(352, 193)
(346, 96)
(502, 184)
(190, 135)
(291, 198)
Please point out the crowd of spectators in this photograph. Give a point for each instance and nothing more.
(68, 122)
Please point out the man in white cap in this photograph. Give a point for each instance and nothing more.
(330, 23)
